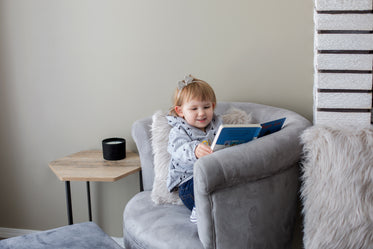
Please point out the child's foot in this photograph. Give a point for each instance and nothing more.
(193, 216)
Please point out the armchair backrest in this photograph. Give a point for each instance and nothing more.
(141, 131)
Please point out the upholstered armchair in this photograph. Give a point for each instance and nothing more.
(245, 195)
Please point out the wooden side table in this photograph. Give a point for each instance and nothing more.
(91, 166)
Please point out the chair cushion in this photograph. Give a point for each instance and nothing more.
(80, 236)
(147, 225)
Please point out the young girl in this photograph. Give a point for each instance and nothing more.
(194, 128)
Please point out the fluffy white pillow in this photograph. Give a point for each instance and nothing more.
(236, 116)
(160, 130)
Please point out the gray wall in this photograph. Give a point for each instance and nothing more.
(75, 72)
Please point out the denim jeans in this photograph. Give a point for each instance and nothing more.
(186, 194)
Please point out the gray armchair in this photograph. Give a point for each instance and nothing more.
(245, 195)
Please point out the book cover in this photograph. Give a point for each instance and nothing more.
(271, 127)
(230, 135)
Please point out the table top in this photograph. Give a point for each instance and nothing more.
(91, 166)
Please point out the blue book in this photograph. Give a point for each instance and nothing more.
(230, 135)
(233, 134)
(271, 127)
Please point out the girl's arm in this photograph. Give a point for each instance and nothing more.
(181, 147)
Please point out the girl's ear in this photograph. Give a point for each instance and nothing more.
(179, 111)
(213, 106)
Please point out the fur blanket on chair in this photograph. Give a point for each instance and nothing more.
(337, 189)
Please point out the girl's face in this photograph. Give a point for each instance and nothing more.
(197, 113)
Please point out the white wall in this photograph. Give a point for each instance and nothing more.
(75, 72)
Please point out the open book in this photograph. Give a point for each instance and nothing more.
(230, 135)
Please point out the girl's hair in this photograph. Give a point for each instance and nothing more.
(197, 89)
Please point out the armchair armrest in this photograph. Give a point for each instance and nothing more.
(236, 174)
(248, 162)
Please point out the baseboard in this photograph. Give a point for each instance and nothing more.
(6, 233)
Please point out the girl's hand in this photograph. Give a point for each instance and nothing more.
(202, 150)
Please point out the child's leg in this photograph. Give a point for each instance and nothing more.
(186, 194)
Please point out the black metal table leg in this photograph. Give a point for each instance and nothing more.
(89, 201)
(141, 183)
(68, 203)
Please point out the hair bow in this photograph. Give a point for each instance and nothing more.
(183, 83)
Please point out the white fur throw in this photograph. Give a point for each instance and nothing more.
(160, 130)
(337, 188)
